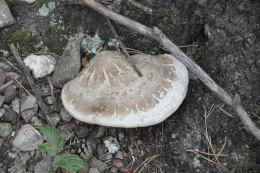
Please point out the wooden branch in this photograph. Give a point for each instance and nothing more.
(156, 34)
(5, 85)
(122, 45)
(29, 78)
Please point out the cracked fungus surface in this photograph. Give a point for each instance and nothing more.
(110, 87)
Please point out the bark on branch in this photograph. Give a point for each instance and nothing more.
(156, 34)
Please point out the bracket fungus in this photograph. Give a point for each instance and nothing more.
(109, 92)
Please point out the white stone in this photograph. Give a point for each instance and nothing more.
(27, 138)
(41, 65)
(112, 145)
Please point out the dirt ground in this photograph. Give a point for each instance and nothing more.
(222, 36)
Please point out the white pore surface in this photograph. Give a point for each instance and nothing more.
(41, 65)
(128, 103)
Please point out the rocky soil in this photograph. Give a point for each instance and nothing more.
(222, 36)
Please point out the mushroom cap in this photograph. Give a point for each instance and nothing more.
(109, 92)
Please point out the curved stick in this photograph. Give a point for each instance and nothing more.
(158, 35)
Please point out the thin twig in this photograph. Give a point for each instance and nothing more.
(52, 94)
(148, 160)
(29, 78)
(141, 6)
(159, 36)
(131, 60)
(22, 87)
(19, 111)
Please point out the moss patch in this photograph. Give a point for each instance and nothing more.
(25, 40)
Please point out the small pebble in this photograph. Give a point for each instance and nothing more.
(5, 129)
(55, 119)
(82, 131)
(85, 169)
(2, 112)
(1, 142)
(48, 100)
(36, 121)
(97, 133)
(107, 156)
(10, 93)
(94, 170)
(2, 99)
(2, 76)
(10, 116)
(95, 163)
(65, 116)
(119, 155)
(27, 105)
(27, 138)
(66, 130)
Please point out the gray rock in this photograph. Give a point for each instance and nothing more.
(10, 93)
(100, 151)
(68, 65)
(85, 169)
(48, 100)
(36, 121)
(55, 119)
(44, 166)
(6, 17)
(12, 155)
(5, 129)
(19, 164)
(10, 116)
(1, 142)
(2, 112)
(95, 163)
(28, 107)
(66, 130)
(94, 170)
(82, 132)
(2, 98)
(4, 66)
(2, 170)
(65, 116)
(27, 138)
(2, 76)
(97, 133)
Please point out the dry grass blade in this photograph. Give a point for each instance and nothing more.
(225, 112)
(148, 160)
(209, 154)
(22, 87)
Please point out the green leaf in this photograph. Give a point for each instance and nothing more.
(54, 142)
(70, 162)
